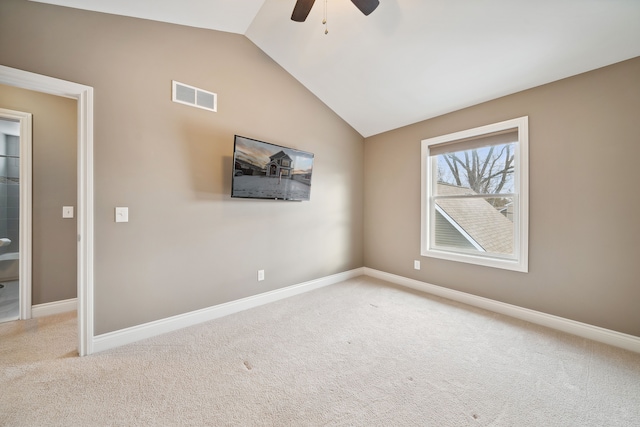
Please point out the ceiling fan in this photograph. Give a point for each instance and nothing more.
(303, 7)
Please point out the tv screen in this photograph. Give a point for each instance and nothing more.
(267, 171)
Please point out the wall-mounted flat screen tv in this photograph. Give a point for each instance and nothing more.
(267, 171)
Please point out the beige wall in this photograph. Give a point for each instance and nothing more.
(54, 186)
(584, 200)
(187, 244)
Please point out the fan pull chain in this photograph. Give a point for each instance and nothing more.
(324, 19)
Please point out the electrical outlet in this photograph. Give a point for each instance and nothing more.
(260, 275)
(67, 212)
(416, 264)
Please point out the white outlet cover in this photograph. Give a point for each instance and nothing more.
(67, 212)
(122, 214)
(416, 265)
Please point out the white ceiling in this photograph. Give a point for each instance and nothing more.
(411, 60)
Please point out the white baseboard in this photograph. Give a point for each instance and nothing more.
(147, 330)
(56, 307)
(595, 333)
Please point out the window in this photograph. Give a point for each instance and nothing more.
(475, 196)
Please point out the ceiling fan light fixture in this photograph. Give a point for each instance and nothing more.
(303, 7)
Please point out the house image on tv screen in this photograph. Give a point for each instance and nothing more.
(280, 165)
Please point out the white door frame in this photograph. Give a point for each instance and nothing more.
(84, 96)
(25, 121)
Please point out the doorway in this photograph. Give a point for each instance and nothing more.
(84, 96)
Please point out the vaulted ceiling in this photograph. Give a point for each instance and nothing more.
(411, 60)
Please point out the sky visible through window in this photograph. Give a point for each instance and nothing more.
(485, 170)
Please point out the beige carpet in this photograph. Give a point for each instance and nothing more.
(359, 353)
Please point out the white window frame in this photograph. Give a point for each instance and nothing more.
(520, 260)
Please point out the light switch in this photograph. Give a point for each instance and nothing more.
(122, 214)
(67, 212)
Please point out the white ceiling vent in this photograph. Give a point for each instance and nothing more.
(189, 95)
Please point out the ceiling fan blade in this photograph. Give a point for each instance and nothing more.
(366, 6)
(301, 10)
